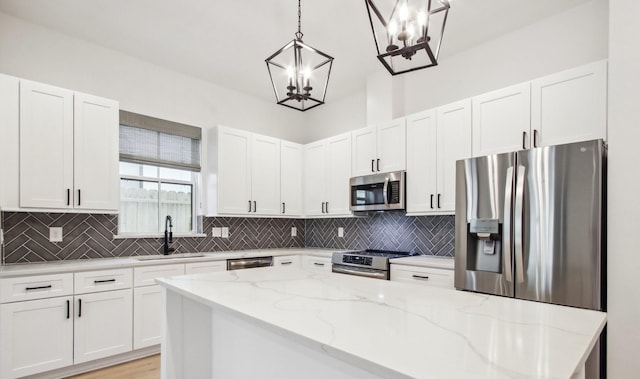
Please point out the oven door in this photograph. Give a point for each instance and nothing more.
(378, 192)
(360, 271)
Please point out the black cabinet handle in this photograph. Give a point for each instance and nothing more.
(372, 162)
(286, 263)
(79, 307)
(322, 207)
(535, 137)
(283, 208)
(249, 206)
(78, 197)
(326, 207)
(104, 281)
(318, 264)
(524, 139)
(38, 288)
(378, 164)
(439, 201)
(420, 277)
(255, 207)
(68, 196)
(431, 201)
(68, 309)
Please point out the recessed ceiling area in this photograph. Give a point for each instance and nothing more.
(226, 42)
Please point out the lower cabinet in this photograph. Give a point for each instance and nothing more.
(316, 263)
(428, 276)
(35, 336)
(204, 267)
(147, 316)
(102, 325)
(286, 261)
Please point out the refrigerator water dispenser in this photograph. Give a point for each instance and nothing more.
(486, 237)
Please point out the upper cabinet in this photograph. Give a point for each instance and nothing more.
(248, 173)
(570, 106)
(436, 139)
(68, 149)
(290, 178)
(327, 171)
(379, 148)
(566, 107)
(10, 141)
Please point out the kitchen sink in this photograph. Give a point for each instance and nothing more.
(170, 256)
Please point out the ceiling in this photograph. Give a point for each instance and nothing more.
(226, 41)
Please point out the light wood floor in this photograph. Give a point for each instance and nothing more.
(145, 368)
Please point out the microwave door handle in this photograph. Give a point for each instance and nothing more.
(506, 230)
(518, 225)
(385, 192)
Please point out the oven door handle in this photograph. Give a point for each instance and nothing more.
(368, 274)
(384, 190)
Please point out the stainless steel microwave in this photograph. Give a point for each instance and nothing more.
(379, 192)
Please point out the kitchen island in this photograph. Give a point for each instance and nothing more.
(292, 323)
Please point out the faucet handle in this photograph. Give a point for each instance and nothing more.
(170, 237)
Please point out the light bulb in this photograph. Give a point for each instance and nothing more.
(410, 31)
(403, 12)
(393, 28)
(422, 19)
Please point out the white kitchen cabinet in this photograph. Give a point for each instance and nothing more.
(248, 173)
(379, 148)
(316, 263)
(287, 261)
(436, 140)
(291, 178)
(204, 267)
(570, 106)
(146, 275)
(102, 325)
(10, 142)
(35, 336)
(147, 316)
(502, 120)
(429, 276)
(64, 148)
(327, 174)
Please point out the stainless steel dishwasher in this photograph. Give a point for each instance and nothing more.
(241, 263)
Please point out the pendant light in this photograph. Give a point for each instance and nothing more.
(299, 73)
(407, 33)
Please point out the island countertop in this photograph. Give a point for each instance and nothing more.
(402, 330)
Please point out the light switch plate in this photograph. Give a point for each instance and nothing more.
(216, 232)
(55, 234)
(225, 232)
(294, 231)
(341, 232)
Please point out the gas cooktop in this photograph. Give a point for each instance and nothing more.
(382, 253)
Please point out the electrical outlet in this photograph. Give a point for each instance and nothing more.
(225, 232)
(294, 231)
(216, 232)
(55, 234)
(340, 232)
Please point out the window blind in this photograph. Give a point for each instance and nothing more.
(150, 140)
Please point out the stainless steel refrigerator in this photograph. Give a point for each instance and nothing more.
(530, 225)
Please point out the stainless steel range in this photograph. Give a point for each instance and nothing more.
(368, 263)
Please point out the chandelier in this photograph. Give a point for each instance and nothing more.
(299, 73)
(407, 33)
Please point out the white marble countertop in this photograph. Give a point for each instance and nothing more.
(411, 331)
(425, 261)
(56, 267)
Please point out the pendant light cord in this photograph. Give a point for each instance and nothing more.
(299, 33)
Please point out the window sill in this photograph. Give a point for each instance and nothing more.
(175, 235)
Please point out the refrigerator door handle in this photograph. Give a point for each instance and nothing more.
(517, 225)
(506, 243)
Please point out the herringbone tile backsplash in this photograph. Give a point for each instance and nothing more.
(88, 236)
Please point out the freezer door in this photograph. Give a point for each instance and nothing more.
(559, 206)
(484, 202)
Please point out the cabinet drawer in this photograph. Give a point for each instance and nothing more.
(145, 276)
(286, 261)
(422, 275)
(103, 280)
(202, 267)
(317, 263)
(35, 287)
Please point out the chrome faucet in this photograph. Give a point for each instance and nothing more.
(168, 235)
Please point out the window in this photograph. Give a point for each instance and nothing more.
(159, 175)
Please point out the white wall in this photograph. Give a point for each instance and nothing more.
(624, 190)
(336, 116)
(37, 53)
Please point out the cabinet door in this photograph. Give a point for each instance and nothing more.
(291, 178)
(46, 146)
(421, 162)
(570, 106)
(103, 325)
(454, 143)
(501, 120)
(265, 175)
(9, 143)
(315, 173)
(316, 263)
(234, 171)
(35, 336)
(287, 261)
(392, 142)
(204, 267)
(147, 316)
(338, 174)
(96, 153)
(364, 151)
